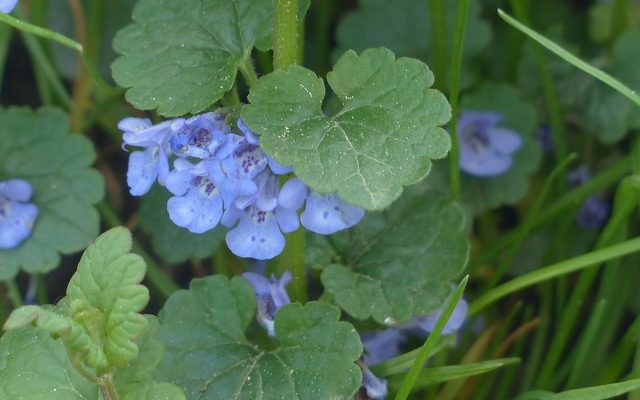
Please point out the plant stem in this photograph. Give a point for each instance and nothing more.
(438, 54)
(14, 292)
(292, 259)
(248, 71)
(285, 34)
(462, 14)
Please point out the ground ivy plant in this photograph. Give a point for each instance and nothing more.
(288, 199)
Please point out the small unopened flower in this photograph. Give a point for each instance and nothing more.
(17, 215)
(428, 322)
(271, 295)
(486, 149)
(6, 6)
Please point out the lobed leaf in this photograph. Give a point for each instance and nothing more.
(400, 263)
(209, 356)
(38, 147)
(105, 295)
(382, 139)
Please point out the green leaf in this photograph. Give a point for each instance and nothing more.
(135, 382)
(36, 367)
(382, 139)
(607, 113)
(169, 241)
(38, 147)
(400, 263)
(482, 193)
(194, 48)
(210, 357)
(412, 34)
(105, 296)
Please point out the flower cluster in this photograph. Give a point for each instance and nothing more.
(221, 177)
(17, 215)
(486, 149)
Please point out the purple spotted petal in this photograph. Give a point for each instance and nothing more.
(266, 196)
(195, 211)
(271, 295)
(6, 6)
(249, 135)
(16, 189)
(327, 214)
(142, 171)
(199, 136)
(256, 236)
(456, 319)
(293, 194)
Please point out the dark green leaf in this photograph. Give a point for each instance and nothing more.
(36, 367)
(383, 138)
(210, 357)
(38, 147)
(400, 263)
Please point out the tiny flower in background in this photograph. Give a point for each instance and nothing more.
(6, 6)
(271, 295)
(485, 148)
(454, 323)
(595, 210)
(545, 138)
(17, 216)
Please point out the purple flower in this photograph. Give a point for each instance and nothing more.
(374, 387)
(253, 138)
(428, 322)
(147, 165)
(201, 136)
(6, 6)
(271, 295)
(578, 176)
(17, 216)
(594, 212)
(383, 345)
(545, 138)
(485, 148)
(197, 204)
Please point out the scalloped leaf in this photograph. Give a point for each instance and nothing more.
(105, 295)
(482, 193)
(135, 382)
(36, 367)
(209, 356)
(38, 147)
(383, 138)
(411, 36)
(169, 241)
(400, 263)
(193, 69)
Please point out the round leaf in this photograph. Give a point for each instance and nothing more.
(383, 138)
(209, 356)
(38, 147)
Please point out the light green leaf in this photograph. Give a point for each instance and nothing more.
(135, 382)
(210, 357)
(36, 367)
(169, 241)
(400, 263)
(38, 147)
(383, 138)
(182, 56)
(481, 193)
(105, 296)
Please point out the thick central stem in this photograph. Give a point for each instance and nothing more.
(285, 34)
